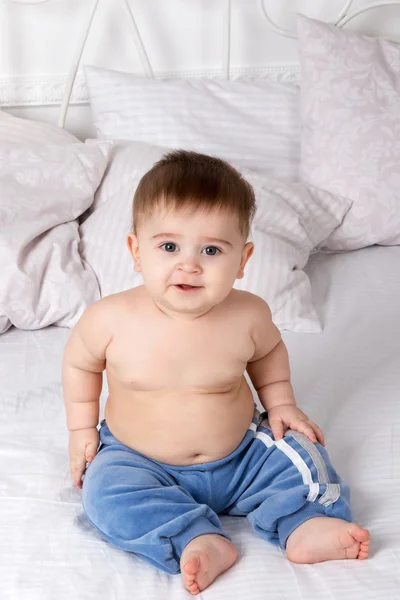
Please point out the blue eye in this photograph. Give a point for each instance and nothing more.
(169, 247)
(211, 250)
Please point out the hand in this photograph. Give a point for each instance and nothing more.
(83, 445)
(288, 416)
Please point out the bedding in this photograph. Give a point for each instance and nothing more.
(44, 187)
(14, 129)
(347, 379)
(291, 219)
(253, 124)
(350, 143)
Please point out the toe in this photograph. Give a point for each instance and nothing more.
(192, 566)
(193, 589)
(360, 535)
(364, 550)
(189, 572)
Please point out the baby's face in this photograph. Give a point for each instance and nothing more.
(189, 260)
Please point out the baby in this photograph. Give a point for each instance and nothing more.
(182, 441)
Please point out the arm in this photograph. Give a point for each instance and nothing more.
(269, 368)
(269, 372)
(83, 364)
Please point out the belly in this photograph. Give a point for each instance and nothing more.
(181, 428)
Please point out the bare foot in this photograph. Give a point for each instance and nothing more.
(326, 538)
(204, 558)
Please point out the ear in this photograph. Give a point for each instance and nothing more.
(247, 252)
(133, 247)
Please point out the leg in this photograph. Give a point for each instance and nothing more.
(297, 500)
(137, 506)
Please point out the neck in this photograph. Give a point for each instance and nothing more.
(180, 316)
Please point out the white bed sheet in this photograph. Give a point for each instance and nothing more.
(347, 379)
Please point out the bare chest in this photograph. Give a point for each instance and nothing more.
(190, 358)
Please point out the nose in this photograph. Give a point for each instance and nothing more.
(190, 264)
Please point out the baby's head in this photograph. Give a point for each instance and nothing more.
(191, 220)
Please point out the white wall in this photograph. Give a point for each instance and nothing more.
(38, 42)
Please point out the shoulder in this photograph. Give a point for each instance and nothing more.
(110, 307)
(252, 304)
(260, 326)
(103, 318)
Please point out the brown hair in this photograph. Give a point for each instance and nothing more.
(183, 179)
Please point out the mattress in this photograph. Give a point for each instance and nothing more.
(347, 379)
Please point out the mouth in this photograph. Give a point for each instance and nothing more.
(187, 288)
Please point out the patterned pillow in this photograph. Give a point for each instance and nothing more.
(350, 96)
(15, 129)
(43, 189)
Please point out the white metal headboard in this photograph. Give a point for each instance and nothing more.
(344, 17)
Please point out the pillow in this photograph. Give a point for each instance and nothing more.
(290, 220)
(43, 189)
(253, 124)
(14, 129)
(109, 219)
(350, 89)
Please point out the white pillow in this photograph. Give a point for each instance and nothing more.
(251, 124)
(14, 129)
(109, 219)
(350, 87)
(290, 221)
(43, 189)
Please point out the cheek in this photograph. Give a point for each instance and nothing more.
(224, 270)
(157, 264)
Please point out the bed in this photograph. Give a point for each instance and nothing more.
(346, 377)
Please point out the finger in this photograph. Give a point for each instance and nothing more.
(277, 429)
(306, 428)
(77, 477)
(78, 466)
(319, 433)
(90, 452)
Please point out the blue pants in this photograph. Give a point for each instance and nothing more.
(155, 509)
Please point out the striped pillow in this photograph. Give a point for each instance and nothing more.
(253, 124)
